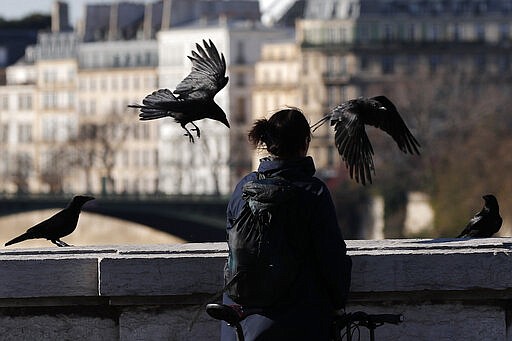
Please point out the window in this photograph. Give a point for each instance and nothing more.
(362, 33)
(49, 100)
(480, 62)
(504, 31)
(24, 133)
(240, 52)
(504, 63)
(125, 156)
(49, 76)
(305, 95)
(305, 64)
(388, 32)
(332, 99)
(434, 63)
(145, 131)
(364, 63)
(82, 85)
(457, 32)
(145, 158)
(25, 102)
(4, 102)
(92, 107)
(49, 130)
(103, 84)
(480, 32)
(4, 133)
(343, 65)
(388, 65)
(240, 110)
(92, 84)
(411, 32)
(412, 63)
(71, 99)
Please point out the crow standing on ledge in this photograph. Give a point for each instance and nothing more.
(486, 222)
(57, 226)
(349, 120)
(195, 93)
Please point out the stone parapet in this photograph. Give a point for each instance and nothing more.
(446, 289)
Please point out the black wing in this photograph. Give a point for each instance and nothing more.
(353, 143)
(387, 118)
(207, 76)
(349, 120)
(472, 227)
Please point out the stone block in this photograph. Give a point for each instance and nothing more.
(48, 276)
(57, 327)
(157, 275)
(179, 323)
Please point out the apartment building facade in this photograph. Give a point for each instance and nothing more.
(351, 48)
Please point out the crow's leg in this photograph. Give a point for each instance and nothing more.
(59, 242)
(196, 129)
(190, 137)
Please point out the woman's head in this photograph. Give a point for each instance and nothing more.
(286, 134)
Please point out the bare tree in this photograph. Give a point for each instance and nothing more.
(54, 169)
(464, 127)
(20, 173)
(96, 146)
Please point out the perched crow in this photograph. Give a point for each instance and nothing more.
(57, 226)
(486, 222)
(349, 120)
(195, 93)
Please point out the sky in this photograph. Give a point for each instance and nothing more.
(16, 9)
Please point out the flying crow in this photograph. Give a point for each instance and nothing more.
(349, 120)
(57, 226)
(486, 222)
(195, 93)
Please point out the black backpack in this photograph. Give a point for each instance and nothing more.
(264, 260)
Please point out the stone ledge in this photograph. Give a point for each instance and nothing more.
(408, 265)
(154, 292)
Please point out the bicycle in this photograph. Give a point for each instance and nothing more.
(345, 325)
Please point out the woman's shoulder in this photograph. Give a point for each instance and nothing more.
(249, 177)
(314, 186)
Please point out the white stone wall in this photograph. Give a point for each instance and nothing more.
(446, 289)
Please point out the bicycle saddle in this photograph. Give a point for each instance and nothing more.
(224, 312)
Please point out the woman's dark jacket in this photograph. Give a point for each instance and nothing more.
(323, 284)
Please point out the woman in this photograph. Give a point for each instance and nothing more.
(323, 282)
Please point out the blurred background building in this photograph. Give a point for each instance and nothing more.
(65, 127)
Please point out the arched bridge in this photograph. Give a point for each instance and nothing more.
(192, 218)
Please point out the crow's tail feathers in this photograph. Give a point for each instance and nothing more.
(18, 239)
(154, 105)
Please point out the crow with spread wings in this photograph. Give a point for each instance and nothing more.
(349, 120)
(195, 93)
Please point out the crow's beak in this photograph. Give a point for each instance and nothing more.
(225, 121)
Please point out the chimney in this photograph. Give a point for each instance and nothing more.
(112, 25)
(147, 28)
(166, 15)
(60, 17)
